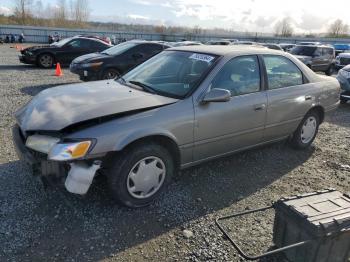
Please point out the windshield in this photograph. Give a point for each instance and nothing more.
(120, 48)
(61, 42)
(172, 73)
(303, 50)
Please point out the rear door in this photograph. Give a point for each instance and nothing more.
(289, 96)
(224, 127)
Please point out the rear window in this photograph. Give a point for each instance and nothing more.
(303, 50)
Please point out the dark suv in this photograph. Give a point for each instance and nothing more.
(320, 58)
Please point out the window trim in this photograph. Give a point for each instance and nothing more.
(304, 79)
(261, 85)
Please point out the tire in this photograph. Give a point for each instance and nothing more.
(330, 70)
(343, 101)
(46, 61)
(306, 132)
(131, 188)
(110, 73)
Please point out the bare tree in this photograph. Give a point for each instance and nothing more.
(81, 11)
(338, 28)
(284, 27)
(60, 13)
(22, 10)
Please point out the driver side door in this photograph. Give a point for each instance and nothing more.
(225, 127)
(73, 49)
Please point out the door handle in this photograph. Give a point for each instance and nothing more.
(259, 107)
(308, 98)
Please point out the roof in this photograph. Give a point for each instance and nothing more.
(222, 50)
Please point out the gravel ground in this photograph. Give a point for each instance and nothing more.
(51, 225)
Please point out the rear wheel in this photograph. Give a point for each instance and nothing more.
(46, 60)
(110, 73)
(139, 174)
(306, 131)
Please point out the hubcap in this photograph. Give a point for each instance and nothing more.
(308, 130)
(46, 60)
(146, 177)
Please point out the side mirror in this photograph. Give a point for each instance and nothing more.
(137, 56)
(217, 95)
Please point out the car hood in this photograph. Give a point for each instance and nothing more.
(346, 68)
(62, 106)
(89, 58)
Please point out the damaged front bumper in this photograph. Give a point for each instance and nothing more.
(78, 175)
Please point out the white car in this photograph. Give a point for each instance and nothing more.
(343, 59)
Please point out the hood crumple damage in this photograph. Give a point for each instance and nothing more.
(56, 108)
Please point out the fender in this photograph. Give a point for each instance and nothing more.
(143, 133)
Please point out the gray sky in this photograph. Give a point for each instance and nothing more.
(244, 15)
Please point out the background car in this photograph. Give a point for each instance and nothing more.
(286, 46)
(116, 60)
(343, 59)
(344, 80)
(160, 117)
(340, 48)
(244, 43)
(310, 43)
(272, 46)
(62, 52)
(319, 58)
(184, 43)
(218, 42)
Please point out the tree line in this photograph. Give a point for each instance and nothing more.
(337, 29)
(76, 13)
(70, 13)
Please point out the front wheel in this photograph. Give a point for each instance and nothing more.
(306, 131)
(46, 60)
(139, 174)
(110, 73)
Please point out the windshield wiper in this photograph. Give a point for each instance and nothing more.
(144, 86)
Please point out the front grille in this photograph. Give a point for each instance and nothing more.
(344, 60)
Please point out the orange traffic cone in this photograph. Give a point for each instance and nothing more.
(58, 70)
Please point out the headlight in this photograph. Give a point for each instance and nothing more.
(344, 73)
(69, 151)
(41, 143)
(92, 65)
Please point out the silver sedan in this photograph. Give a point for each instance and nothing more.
(182, 107)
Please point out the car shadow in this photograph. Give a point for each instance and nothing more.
(46, 223)
(339, 116)
(19, 67)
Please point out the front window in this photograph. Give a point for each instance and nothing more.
(303, 50)
(240, 76)
(120, 48)
(172, 73)
(61, 42)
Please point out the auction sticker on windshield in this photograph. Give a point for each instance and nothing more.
(201, 57)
